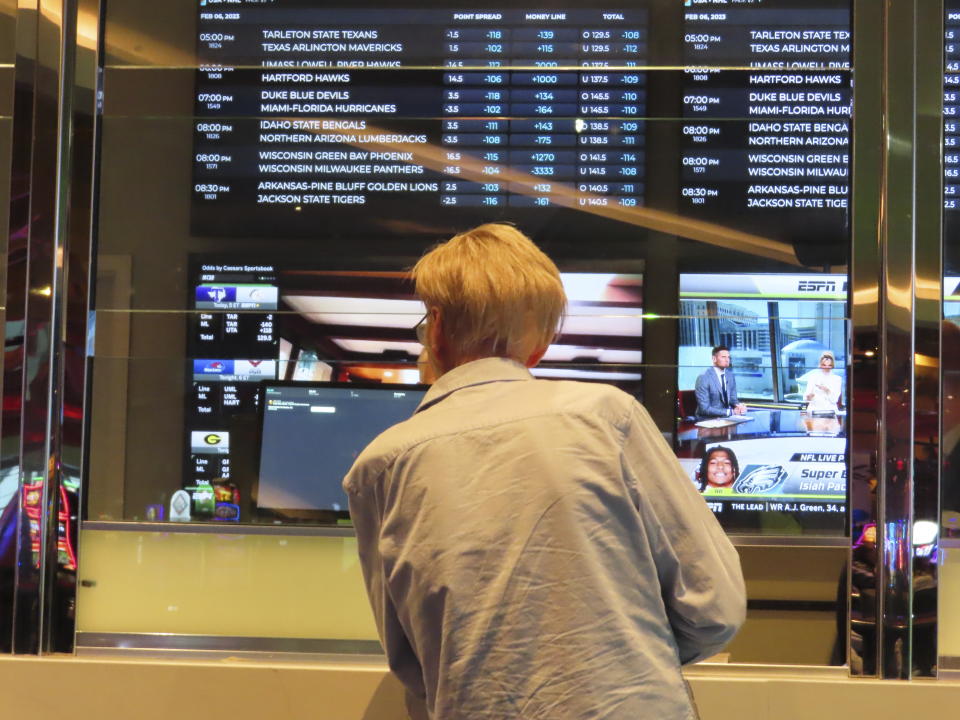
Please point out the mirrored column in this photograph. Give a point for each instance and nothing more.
(39, 519)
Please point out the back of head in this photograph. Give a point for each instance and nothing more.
(498, 294)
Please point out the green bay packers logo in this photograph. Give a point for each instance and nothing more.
(212, 439)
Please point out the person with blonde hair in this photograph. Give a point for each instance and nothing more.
(494, 293)
(823, 387)
(532, 548)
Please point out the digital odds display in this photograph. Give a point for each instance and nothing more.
(762, 423)
(951, 135)
(450, 115)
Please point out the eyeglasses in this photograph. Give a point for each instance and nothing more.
(421, 330)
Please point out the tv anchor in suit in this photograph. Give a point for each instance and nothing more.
(716, 388)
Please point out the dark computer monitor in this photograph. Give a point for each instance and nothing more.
(311, 433)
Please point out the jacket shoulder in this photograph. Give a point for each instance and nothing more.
(383, 450)
(608, 401)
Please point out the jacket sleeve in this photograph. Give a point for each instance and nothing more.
(732, 389)
(702, 390)
(698, 568)
(366, 510)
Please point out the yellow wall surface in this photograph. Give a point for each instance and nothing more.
(948, 642)
(290, 586)
(222, 584)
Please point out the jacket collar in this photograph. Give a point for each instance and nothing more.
(476, 372)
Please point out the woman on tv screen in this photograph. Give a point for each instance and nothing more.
(823, 387)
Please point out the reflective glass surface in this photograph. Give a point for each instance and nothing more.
(268, 172)
(10, 222)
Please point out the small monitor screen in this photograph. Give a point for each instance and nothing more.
(310, 438)
(762, 423)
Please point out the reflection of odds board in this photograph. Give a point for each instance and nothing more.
(802, 477)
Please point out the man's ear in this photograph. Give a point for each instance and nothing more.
(439, 349)
(536, 356)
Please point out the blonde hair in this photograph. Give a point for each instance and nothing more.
(827, 354)
(498, 294)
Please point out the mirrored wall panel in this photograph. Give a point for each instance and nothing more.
(686, 164)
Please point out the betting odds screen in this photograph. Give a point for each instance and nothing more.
(951, 137)
(443, 116)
